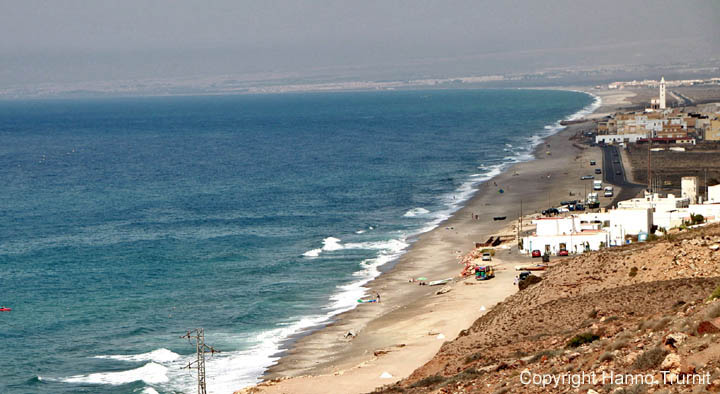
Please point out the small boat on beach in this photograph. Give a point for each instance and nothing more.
(440, 282)
(536, 267)
(4, 309)
(361, 301)
(500, 218)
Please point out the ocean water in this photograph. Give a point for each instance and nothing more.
(125, 222)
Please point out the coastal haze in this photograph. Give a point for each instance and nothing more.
(175, 47)
(410, 196)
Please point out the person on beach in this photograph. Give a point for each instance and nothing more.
(377, 297)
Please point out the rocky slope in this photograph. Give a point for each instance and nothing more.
(642, 309)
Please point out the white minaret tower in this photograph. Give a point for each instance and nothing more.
(662, 92)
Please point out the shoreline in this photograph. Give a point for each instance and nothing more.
(401, 326)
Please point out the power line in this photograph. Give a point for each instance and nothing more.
(201, 348)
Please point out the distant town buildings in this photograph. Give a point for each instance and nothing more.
(660, 124)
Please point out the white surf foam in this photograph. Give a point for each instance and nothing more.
(329, 244)
(150, 373)
(159, 356)
(415, 212)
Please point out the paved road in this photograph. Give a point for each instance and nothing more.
(614, 174)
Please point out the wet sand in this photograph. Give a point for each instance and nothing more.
(408, 327)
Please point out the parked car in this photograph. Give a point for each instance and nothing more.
(579, 207)
(586, 177)
(563, 252)
(536, 253)
(486, 257)
(618, 172)
(592, 162)
(550, 211)
(598, 171)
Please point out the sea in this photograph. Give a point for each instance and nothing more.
(126, 222)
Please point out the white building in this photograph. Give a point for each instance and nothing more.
(689, 187)
(575, 242)
(713, 193)
(633, 221)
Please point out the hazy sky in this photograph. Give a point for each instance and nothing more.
(73, 40)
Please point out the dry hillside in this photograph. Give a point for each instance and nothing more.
(639, 309)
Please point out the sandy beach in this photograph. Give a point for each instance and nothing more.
(408, 327)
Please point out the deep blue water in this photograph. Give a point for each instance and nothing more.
(124, 222)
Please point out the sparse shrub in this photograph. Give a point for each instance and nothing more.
(697, 219)
(619, 344)
(715, 294)
(529, 281)
(468, 374)
(501, 390)
(607, 356)
(650, 359)
(611, 318)
(662, 323)
(545, 353)
(593, 314)
(473, 357)
(633, 272)
(582, 339)
(428, 381)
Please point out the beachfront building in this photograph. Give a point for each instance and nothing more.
(553, 234)
(625, 221)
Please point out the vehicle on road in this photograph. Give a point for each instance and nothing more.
(536, 253)
(597, 185)
(563, 252)
(486, 257)
(598, 171)
(579, 207)
(586, 177)
(608, 191)
(592, 162)
(484, 273)
(618, 172)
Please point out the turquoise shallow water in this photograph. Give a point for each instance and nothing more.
(124, 222)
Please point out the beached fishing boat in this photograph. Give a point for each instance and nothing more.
(365, 301)
(536, 267)
(500, 218)
(440, 282)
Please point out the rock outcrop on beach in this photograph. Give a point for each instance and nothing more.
(642, 309)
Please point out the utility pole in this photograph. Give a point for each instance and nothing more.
(519, 232)
(649, 168)
(201, 348)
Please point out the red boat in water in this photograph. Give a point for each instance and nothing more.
(3, 309)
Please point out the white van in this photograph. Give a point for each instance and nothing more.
(608, 191)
